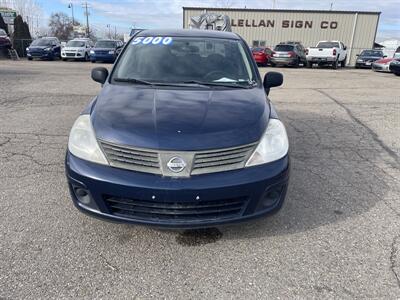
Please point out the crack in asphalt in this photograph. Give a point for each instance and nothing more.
(393, 257)
(373, 134)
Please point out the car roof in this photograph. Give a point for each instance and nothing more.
(189, 33)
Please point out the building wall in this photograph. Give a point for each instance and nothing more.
(309, 27)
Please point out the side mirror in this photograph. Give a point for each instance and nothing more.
(357, 55)
(384, 56)
(272, 79)
(100, 75)
(344, 48)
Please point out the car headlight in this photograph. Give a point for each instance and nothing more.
(359, 60)
(27, 49)
(111, 52)
(82, 141)
(47, 49)
(91, 52)
(273, 145)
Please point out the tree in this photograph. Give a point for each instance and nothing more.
(21, 35)
(61, 26)
(26, 32)
(3, 25)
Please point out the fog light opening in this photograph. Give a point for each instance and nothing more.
(272, 196)
(82, 195)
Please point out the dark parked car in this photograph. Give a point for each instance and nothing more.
(367, 57)
(181, 135)
(44, 48)
(261, 55)
(106, 50)
(288, 55)
(395, 67)
(5, 42)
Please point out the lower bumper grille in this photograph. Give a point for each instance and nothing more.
(70, 54)
(176, 211)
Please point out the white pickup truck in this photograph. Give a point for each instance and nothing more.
(327, 53)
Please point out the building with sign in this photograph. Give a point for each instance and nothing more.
(268, 27)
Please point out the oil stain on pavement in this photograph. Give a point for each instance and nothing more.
(198, 237)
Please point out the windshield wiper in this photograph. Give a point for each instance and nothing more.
(133, 80)
(224, 84)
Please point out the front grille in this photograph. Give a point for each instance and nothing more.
(155, 162)
(101, 52)
(176, 211)
(70, 54)
(132, 158)
(221, 160)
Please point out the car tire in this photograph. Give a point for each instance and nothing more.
(64, 59)
(297, 64)
(335, 64)
(273, 64)
(397, 74)
(86, 57)
(93, 61)
(309, 65)
(343, 62)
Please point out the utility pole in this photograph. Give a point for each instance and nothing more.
(115, 32)
(86, 6)
(109, 30)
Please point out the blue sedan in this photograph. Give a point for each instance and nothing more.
(182, 135)
(106, 51)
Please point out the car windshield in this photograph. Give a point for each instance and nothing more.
(105, 44)
(284, 48)
(372, 53)
(75, 44)
(328, 45)
(186, 60)
(2, 32)
(396, 55)
(42, 42)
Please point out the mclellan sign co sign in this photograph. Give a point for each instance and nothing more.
(283, 24)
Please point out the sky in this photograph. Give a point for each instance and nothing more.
(125, 14)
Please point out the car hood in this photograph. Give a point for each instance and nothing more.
(179, 119)
(384, 60)
(370, 57)
(103, 49)
(38, 47)
(73, 48)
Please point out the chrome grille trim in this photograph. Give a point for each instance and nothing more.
(222, 159)
(198, 162)
(134, 159)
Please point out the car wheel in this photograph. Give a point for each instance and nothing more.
(64, 59)
(343, 62)
(273, 64)
(297, 63)
(86, 57)
(309, 65)
(29, 58)
(93, 61)
(397, 74)
(335, 65)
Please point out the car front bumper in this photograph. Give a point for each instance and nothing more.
(102, 57)
(73, 55)
(364, 64)
(42, 54)
(380, 67)
(195, 202)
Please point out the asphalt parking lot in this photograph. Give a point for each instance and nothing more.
(337, 236)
